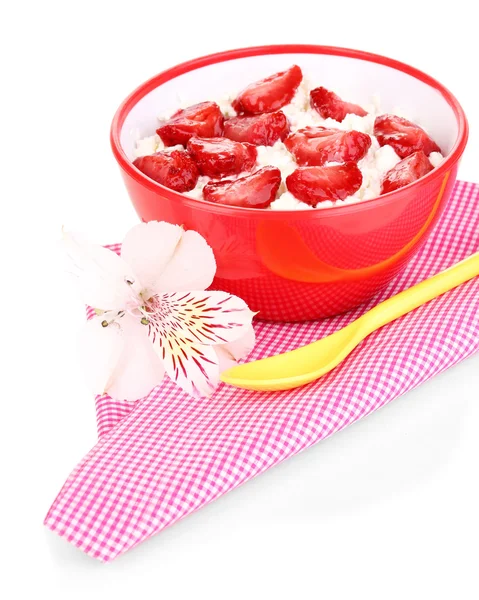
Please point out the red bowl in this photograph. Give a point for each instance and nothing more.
(301, 265)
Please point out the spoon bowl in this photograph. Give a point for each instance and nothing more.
(297, 367)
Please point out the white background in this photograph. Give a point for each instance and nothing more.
(387, 508)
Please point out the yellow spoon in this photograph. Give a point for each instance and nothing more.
(308, 363)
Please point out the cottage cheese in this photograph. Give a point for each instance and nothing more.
(226, 107)
(436, 159)
(146, 146)
(377, 162)
(152, 144)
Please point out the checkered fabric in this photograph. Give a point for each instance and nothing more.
(166, 455)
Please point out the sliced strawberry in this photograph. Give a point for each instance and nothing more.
(204, 120)
(260, 130)
(319, 145)
(316, 184)
(253, 191)
(270, 94)
(408, 170)
(175, 170)
(220, 157)
(329, 105)
(403, 135)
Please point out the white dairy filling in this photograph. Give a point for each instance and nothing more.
(377, 162)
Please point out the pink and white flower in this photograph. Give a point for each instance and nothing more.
(153, 315)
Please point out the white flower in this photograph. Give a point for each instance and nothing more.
(153, 315)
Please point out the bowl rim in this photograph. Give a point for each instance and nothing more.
(196, 63)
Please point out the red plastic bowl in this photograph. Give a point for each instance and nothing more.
(300, 265)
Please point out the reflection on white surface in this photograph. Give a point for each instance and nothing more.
(384, 482)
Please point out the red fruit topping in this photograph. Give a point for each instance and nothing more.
(253, 191)
(329, 105)
(405, 137)
(270, 94)
(220, 157)
(260, 130)
(408, 170)
(175, 170)
(204, 120)
(316, 184)
(319, 145)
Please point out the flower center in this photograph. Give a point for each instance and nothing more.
(165, 318)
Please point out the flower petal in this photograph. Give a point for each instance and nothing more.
(119, 359)
(148, 248)
(100, 349)
(101, 274)
(230, 354)
(192, 266)
(208, 318)
(191, 366)
(184, 327)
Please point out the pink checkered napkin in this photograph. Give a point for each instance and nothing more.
(167, 455)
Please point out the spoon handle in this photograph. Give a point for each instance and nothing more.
(419, 294)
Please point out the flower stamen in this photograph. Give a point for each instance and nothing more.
(119, 315)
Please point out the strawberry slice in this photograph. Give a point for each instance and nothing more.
(253, 191)
(316, 184)
(319, 145)
(403, 135)
(405, 172)
(175, 170)
(260, 130)
(270, 94)
(329, 105)
(204, 120)
(220, 157)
